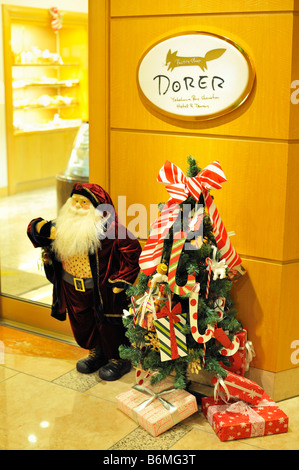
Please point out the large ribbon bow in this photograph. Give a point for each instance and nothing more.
(180, 187)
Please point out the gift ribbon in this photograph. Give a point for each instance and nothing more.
(220, 382)
(249, 354)
(179, 188)
(257, 422)
(173, 318)
(155, 396)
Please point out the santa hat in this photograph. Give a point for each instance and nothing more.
(95, 193)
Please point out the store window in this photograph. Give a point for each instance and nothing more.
(46, 114)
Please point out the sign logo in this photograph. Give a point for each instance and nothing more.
(174, 61)
(195, 76)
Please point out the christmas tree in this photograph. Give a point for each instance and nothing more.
(181, 316)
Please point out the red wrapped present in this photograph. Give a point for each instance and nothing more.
(157, 408)
(236, 386)
(239, 420)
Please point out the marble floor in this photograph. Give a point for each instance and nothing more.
(45, 404)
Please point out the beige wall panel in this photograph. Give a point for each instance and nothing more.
(288, 319)
(291, 222)
(294, 107)
(251, 203)
(257, 299)
(267, 39)
(98, 24)
(265, 302)
(168, 7)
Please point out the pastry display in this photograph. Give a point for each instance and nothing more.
(43, 81)
(44, 101)
(36, 56)
(56, 123)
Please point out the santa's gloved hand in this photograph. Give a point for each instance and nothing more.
(39, 226)
(117, 290)
(47, 229)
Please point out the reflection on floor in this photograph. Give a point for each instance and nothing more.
(46, 404)
(21, 273)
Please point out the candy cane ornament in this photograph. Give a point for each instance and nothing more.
(235, 344)
(133, 310)
(177, 246)
(236, 363)
(209, 268)
(219, 305)
(191, 287)
(193, 316)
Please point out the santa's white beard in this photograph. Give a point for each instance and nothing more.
(76, 233)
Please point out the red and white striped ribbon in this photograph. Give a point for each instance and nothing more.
(180, 187)
(152, 251)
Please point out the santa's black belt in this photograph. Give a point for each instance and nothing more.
(79, 284)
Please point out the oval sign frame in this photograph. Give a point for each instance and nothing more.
(177, 61)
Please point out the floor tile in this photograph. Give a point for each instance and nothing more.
(46, 404)
(109, 390)
(37, 355)
(6, 373)
(140, 439)
(36, 414)
(198, 439)
(42, 367)
(77, 381)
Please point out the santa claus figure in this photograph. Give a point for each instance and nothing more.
(91, 259)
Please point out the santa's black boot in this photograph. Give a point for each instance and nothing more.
(115, 369)
(92, 362)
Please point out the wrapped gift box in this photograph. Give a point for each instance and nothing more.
(240, 387)
(157, 408)
(239, 420)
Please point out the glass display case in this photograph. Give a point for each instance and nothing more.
(46, 92)
(78, 164)
(77, 169)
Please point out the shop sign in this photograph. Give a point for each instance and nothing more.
(195, 76)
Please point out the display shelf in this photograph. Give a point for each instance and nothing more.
(46, 82)
(19, 84)
(46, 65)
(45, 85)
(53, 106)
(47, 130)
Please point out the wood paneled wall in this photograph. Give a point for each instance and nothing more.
(257, 145)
